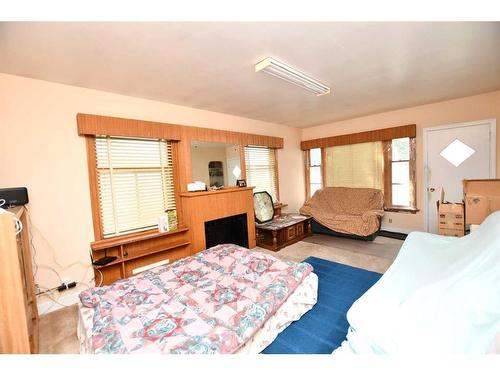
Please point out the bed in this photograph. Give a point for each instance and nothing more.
(226, 299)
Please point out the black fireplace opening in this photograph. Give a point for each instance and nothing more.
(230, 229)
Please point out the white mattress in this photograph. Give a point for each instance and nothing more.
(297, 304)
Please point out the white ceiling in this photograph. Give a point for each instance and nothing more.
(371, 67)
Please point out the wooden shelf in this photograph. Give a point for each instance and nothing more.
(210, 192)
(125, 259)
(131, 238)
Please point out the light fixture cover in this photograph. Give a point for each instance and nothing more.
(281, 70)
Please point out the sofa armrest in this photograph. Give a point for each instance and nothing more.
(372, 213)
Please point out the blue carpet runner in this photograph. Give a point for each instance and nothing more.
(324, 327)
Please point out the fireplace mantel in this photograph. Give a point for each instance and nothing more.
(211, 192)
(199, 207)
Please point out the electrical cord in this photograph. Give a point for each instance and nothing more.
(49, 293)
(50, 296)
(101, 277)
(17, 222)
(83, 278)
(52, 249)
(53, 270)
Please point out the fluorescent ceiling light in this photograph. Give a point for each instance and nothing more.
(286, 72)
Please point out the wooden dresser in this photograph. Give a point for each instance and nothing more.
(18, 309)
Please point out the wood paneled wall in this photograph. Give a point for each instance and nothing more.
(91, 125)
(115, 126)
(368, 136)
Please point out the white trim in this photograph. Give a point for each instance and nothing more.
(492, 122)
(50, 306)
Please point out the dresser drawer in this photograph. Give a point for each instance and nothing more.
(300, 229)
(290, 233)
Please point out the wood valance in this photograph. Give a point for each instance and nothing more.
(368, 136)
(119, 127)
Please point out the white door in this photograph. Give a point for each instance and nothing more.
(454, 153)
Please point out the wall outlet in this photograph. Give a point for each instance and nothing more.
(390, 221)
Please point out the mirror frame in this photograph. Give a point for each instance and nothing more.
(257, 219)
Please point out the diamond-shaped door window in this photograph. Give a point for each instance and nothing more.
(457, 152)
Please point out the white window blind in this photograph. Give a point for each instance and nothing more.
(135, 182)
(356, 165)
(261, 169)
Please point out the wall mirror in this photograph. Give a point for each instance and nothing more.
(215, 164)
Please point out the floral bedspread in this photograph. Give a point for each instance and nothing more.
(212, 302)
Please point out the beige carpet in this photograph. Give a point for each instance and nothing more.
(58, 329)
(373, 256)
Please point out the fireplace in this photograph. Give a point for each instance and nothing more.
(201, 207)
(230, 229)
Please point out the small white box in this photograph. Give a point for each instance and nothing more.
(196, 186)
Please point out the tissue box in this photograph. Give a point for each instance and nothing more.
(196, 186)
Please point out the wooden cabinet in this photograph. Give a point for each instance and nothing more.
(138, 250)
(275, 235)
(19, 313)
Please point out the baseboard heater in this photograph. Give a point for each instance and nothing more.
(135, 271)
(390, 234)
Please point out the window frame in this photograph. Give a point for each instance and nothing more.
(308, 166)
(276, 167)
(94, 190)
(386, 136)
(388, 205)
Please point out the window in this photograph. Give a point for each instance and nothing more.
(262, 170)
(401, 166)
(315, 174)
(359, 165)
(384, 159)
(135, 184)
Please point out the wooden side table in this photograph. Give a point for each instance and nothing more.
(283, 231)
